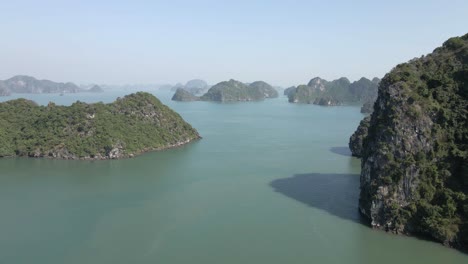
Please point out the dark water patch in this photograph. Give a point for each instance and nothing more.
(338, 194)
(344, 151)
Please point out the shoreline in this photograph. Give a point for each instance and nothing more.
(100, 157)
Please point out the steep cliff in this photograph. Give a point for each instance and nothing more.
(357, 139)
(131, 125)
(414, 176)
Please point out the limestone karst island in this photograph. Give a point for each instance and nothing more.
(414, 177)
(131, 125)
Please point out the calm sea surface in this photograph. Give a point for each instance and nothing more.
(270, 182)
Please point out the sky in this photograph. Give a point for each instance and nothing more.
(281, 42)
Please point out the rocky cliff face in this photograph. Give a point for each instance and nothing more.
(414, 176)
(367, 107)
(357, 139)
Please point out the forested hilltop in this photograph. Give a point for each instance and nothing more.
(131, 125)
(414, 177)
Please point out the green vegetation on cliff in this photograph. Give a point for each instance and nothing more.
(414, 175)
(131, 125)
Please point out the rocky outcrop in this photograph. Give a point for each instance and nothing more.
(414, 177)
(183, 95)
(357, 139)
(131, 125)
(367, 107)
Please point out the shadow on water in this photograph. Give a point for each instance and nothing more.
(344, 151)
(338, 194)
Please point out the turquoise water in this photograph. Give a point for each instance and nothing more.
(270, 182)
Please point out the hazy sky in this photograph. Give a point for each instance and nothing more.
(281, 42)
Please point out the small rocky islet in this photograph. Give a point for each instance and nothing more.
(129, 126)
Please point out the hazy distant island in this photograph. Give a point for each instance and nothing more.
(93, 89)
(4, 91)
(23, 84)
(337, 92)
(195, 87)
(230, 91)
(414, 148)
(129, 126)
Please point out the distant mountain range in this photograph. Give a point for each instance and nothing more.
(336, 92)
(27, 84)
